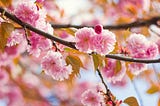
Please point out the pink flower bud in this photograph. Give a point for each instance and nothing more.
(98, 29)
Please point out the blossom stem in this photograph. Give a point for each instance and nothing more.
(108, 92)
(72, 44)
(26, 35)
(101, 77)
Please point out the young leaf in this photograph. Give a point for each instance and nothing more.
(70, 31)
(5, 31)
(116, 48)
(153, 89)
(5, 3)
(128, 72)
(118, 67)
(97, 60)
(131, 101)
(75, 62)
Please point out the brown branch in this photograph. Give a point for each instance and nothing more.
(130, 59)
(108, 92)
(138, 23)
(72, 44)
(42, 33)
(105, 85)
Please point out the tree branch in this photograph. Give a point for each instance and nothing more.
(138, 23)
(105, 85)
(108, 92)
(72, 44)
(42, 33)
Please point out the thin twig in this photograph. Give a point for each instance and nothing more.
(72, 44)
(26, 35)
(105, 85)
(54, 44)
(130, 59)
(138, 23)
(108, 92)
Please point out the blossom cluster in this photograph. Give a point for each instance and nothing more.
(140, 47)
(93, 97)
(30, 13)
(53, 64)
(109, 71)
(97, 40)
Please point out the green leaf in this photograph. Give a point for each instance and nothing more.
(118, 67)
(97, 60)
(5, 31)
(153, 89)
(131, 101)
(75, 62)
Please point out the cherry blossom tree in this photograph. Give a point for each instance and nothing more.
(43, 51)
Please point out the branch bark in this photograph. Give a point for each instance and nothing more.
(138, 23)
(72, 44)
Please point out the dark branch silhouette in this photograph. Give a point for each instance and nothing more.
(72, 44)
(139, 23)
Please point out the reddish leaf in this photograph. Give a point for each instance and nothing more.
(6, 3)
(75, 62)
(118, 67)
(97, 60)
(131, 101)
(5, 31)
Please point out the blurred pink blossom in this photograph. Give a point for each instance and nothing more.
(4, 78)
(54, 65)
(92, 98)
(109, 71)
(140, 47)
(137, 68)
(16, 37)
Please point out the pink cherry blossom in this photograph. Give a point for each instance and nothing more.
(16, 37)
(61, 88)
(79, 89)
(92, 98)
(103, 43)
(109, 71)
(15, 97)
(137, 44)
(152, 50)
(54, 65)
(137, 68)
(27, 12)
(83, 39)
(140, 47)
(40, 1)
(38, 44)
(4, 78)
